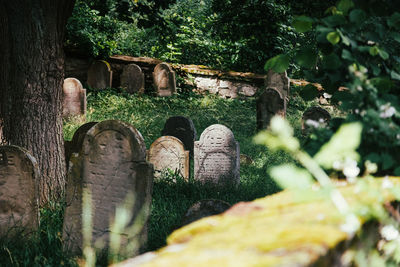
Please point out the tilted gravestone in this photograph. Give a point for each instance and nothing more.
(315, 117)
(217, 156)
(269, 104)
(99, 75)
(75, 144)
(19, 174)
(279, 81)
(164, 80)
(110, 166)
(182, 128)
(204, 208)
(74, 98)
(168, 153)
(132, 79)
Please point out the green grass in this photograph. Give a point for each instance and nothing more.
(170, 200)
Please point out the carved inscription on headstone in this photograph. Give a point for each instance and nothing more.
(74, 98)
(99, 75)
(19, 176)
(132, 79)
(182, 128)
(168, 153)
(269, 104)
(279, 81)
(164, 80)
(204, 208)
(75, 144)
(110, 166)
(217, 156)
(315, 117)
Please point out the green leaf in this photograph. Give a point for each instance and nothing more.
(397, 171)
(331, 62)
(357, 16)
(333, 21)
(395, 36)
(302, 23)
(394, 75)
(342, 145)
(278, 63)
(387, 161)
(394, 21)
(347, 55)
(306, 58)
(345, 5)
(290, 176)
(309, 92)
(333, 37)
(383, 54)
(374, 50)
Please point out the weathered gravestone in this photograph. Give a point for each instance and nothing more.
(182, 128)
(74, 146)
(164, 80)
(110, 166)
(74, 98)
(168, 153)
(269, 104)
(19, 176)
(315, 117)
(132, 78)
(279, 81)
(217, 156)
(204, 208)
(99, 75)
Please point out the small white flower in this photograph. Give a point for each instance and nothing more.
(326, 95)
(351, 225)
(386, 184)
(312, 123)
(387, 111)
(359, 88)
(389, 232)
(350, 169)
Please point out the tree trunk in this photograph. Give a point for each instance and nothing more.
(31, 78)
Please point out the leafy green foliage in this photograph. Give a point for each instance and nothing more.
(357, 47)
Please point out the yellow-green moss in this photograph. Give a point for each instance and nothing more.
(287, 228)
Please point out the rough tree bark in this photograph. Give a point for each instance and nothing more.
(31, 77)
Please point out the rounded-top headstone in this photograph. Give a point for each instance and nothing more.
(279, 81)
(19, 174)
(168, 153)
(74, 98)
(204, 208)
(315, 117)
(217, 156)
(164, 80)
(99, 75)
(110, 166)
(132, 78)
(182, 128)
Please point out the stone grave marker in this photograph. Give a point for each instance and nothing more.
(75, 144)
(74, 98)
(164, 80)
(279, 81)
(132, 78)
(204, 208)
(315, 117)
(182, 128)
(19, 206)
(217, 156)
(269, 104)
(168, 152)
(99, 75)
(110, 167)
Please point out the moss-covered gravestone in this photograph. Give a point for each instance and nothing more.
(315, 117)
(19, 174)
(217, 156)
(110, 167)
